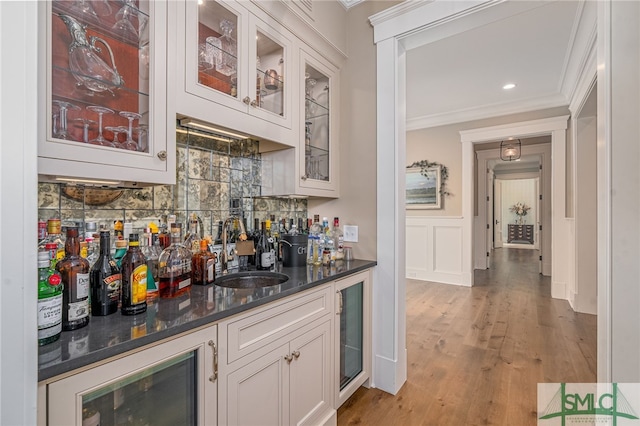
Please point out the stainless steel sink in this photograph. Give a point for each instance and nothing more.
(251, 279)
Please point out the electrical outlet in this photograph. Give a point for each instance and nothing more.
(350, 233)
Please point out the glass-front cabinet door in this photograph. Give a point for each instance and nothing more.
(105, 97)
(235, 59)
(317, 155)
(173, 383)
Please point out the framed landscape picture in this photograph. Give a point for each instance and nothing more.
(423, 188)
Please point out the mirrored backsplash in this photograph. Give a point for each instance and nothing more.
(216, 177)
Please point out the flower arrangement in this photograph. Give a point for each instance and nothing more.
(520, 209)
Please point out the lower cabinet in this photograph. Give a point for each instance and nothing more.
(276, 364)
(171, 383)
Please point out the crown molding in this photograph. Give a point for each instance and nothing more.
(486, 111)
(347, 4)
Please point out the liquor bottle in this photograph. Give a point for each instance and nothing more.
(105, 280)
(134, 279)
(49, 301)
(264, 253)
(92, 251)
(121, 250)
(174, 266)
(192, 240)
(203, 265)
(118, 230)
(54, 235)
(338, 239)
(315, 243)
(74, 271)
(151, 254)
(163, 237)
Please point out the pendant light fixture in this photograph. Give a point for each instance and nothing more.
(510, 150)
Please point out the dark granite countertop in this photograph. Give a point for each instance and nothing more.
(115, 334)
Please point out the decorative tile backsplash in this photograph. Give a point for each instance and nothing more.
(214, 179)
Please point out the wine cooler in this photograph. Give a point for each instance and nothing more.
(353, 355)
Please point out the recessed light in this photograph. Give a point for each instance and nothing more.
(509, 86)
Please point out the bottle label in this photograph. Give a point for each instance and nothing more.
(266, 260)
(184, 283)
(78, 310)
(82, 286)
(113, 284)
(139, 284)
(211, 268)
(50, 313)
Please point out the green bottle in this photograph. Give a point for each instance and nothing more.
(49, 301)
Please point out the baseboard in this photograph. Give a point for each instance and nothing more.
(331, 419)
(385, 374)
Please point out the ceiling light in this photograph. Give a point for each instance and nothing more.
(90, 181)
(509, 86)
(195, 124)
(510, 150)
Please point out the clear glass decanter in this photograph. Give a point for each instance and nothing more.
(229, 49)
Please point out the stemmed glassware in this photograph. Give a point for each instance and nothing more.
(116, 130)
(310, 105)
(143, 142)
(130, 144)
(123, 23)
(100, 110)
(64, 107)
(86, 123)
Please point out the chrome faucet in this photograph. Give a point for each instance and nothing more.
(226, 256)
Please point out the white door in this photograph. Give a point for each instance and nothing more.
(489, 207)
(497, 214)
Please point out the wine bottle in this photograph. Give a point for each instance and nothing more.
(105, 280)
(264, 252)
(49, 301)
(134, 279)
(74, 271)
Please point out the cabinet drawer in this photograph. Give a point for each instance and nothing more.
(248, 333)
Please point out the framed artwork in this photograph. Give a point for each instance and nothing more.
(423, 188)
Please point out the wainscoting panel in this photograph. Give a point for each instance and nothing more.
(435, 249)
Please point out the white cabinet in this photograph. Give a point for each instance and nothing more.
(276, 364)
(312, 168)
(103, 93)
(234, 68)
(174, 382)
(352, 331)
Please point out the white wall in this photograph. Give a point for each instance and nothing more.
(518, 191)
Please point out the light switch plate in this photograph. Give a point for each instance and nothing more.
(350, 233)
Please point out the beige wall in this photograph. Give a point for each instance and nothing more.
(442, 144)
(357, 202)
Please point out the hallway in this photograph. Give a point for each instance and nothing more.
(475, 355)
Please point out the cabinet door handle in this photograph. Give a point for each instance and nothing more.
(254, 103)
(162, 155)
(246, 100)
(288, 358)
(339, 302)
(304, 177)
(296, 354)
(214, 377)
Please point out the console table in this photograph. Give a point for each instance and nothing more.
(520, 234)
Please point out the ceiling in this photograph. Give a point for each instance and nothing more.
(459, 77)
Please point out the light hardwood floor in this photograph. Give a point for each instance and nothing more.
(475, 355)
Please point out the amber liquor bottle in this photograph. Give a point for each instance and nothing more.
(105, 280)
(74, 271)
(203, 265)
(134, 279)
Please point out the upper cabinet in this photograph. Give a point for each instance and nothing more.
(311, 169)
(103, 88)
(234, 69)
